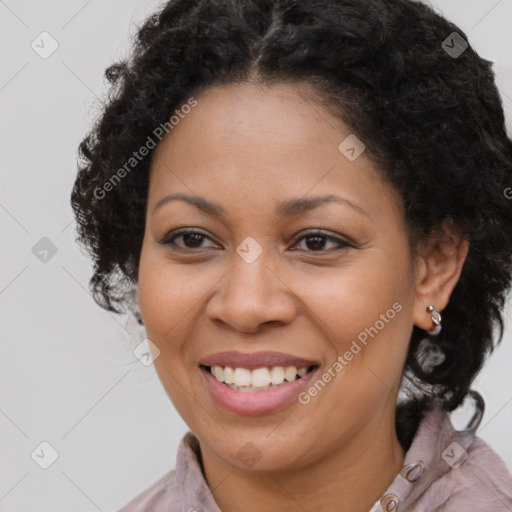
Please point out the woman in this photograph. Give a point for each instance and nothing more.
(308, 201)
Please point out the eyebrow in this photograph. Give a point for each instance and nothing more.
(289, 208)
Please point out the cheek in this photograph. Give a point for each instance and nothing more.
(365, 318)
(349, 300)
(166, 300)
(168, 293)
(364, 312)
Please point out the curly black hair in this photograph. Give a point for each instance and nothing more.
(425, 105)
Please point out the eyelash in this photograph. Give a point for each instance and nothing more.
(343, 244)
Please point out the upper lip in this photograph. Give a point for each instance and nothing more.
(254, 360)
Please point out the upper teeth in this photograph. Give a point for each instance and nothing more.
(259, 378)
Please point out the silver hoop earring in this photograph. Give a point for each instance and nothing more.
(436, 320)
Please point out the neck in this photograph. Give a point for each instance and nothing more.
(355, 474)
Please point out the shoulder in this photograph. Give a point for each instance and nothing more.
(179, 488)
(481, 482)
(446, 470)
(162, 496)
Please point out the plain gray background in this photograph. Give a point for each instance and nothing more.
(68, 373)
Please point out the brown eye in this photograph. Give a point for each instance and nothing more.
(317, 240)
(190, 239)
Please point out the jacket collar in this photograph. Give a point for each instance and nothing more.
(436, 449)
(194, 491)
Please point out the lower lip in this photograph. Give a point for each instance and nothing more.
(252, 403)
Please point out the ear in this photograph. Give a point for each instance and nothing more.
(438, 266)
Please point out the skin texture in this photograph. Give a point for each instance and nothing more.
(248, 147)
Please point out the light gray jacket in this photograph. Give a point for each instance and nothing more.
(444, 471)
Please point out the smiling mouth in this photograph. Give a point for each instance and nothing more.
(258, 379)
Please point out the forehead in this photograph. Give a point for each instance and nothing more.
(261, 142)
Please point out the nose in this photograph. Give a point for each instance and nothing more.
(252, 294)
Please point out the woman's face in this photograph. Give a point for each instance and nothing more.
(258, 287)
